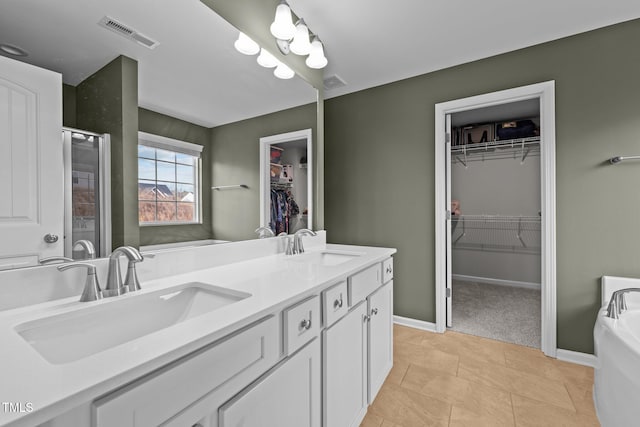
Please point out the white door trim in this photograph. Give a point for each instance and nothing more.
(546, 93)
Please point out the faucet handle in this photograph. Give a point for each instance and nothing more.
(53, 259)
(91, 291)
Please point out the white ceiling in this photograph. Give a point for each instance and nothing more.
(195, 73)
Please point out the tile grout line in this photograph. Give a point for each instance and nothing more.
(564, 384)
(513, 410)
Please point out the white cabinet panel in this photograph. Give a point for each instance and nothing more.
(31, 164)
(345, 370)
(380, 338)
(287, 396)
(159, 396)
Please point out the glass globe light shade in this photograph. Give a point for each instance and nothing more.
(283, 72)
(316, 58)
(300, 44)
(267, 60)
(245, 45)
(282, 27)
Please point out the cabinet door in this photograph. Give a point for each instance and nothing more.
(31, 168)
(286, 396)
(380, 337)
(345, 369)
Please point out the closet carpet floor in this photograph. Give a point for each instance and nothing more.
(453, 379)
(503, 313)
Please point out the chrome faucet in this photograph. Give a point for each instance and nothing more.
(88, 247)
(298, 248)
(114, 279)
(288, 243)
(264, 232)
(91, 291)
(617, 304)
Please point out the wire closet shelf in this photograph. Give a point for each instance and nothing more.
(519, 149)
(502, 233)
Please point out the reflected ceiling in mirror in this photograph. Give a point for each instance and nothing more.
(193, 73)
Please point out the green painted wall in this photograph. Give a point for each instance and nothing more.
(235, 159)
(107, 102)
(69, 106)
(379, 173)
(160, 124)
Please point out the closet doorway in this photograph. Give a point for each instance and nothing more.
(286, 184)
(495, 244)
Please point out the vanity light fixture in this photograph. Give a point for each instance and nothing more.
(246, 45)
(289, 38)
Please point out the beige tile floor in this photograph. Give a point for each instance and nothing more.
(453, 379)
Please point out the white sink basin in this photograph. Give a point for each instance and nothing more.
(72, 336)
(326, 258)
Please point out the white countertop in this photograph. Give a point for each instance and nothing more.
(274, 282)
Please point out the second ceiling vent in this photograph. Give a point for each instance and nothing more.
(128, 32)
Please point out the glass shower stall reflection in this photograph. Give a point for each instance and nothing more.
(87, 193)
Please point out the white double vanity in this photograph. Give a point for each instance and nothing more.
(221, 335)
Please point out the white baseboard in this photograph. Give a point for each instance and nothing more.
(501, 282)
(577, 357)
(413, 323)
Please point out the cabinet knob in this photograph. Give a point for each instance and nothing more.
(366, 318)
(374, 311)
(389, 269)
(338, 303)
(305, 324)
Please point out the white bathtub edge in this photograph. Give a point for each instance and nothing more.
(576, 357)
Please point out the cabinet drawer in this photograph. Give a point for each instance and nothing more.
(387, 270)
(363, 283)
(155, 398)
(334, 303)
(301, 323)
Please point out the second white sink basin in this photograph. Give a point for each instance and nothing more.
(68, 337)
(326, 258)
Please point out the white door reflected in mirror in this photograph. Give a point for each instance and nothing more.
(286, 181)
(31, 195)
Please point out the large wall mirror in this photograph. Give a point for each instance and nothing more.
(176, 75)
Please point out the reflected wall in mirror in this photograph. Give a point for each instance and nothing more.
(219, 99)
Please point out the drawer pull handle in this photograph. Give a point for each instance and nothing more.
(374, 311)
(338, 303)
(305, 324)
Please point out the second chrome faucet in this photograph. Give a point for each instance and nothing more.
(115, 286)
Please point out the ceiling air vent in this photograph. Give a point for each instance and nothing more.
(128, 32)
(333, 82)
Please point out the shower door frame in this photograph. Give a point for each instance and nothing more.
(545, 92)
(104, 188)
